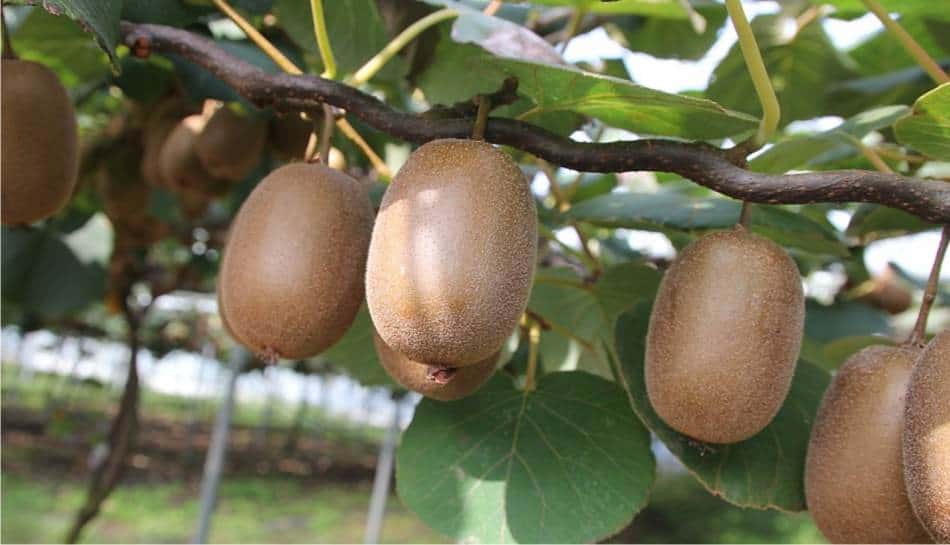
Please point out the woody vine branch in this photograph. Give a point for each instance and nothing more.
(701, 163)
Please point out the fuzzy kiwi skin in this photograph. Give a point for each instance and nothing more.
(159, 123)
(289, 136)
(413, 375)
(724, 336)
(40, 143)
(231, 144)
(452, 256)
(854, 481)
(926, 438)
(291, 279)
(178, 161)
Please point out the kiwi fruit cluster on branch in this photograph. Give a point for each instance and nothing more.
(447, 266)
(40, 143)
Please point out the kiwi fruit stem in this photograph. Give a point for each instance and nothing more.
(930, 292)
(8, 52)
(745, 215)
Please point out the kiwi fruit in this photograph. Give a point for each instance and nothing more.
(452, 255)
(159, 123)
(926, 438)
(40, 143)
(724, 336)
(291, 279)
(289, 136)
(125, 194)
(887, 293)
(231, 144)
(854, 480)
(441, 383)
(178, 161)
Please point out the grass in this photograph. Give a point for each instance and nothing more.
(250, 510)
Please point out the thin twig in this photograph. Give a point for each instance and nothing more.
(376, 160)
(259, 40)
(930, 292)
(771, 111)
(745, 215)
(326, 134)
(492, 7)
(534, 337)
(908, 42)
(323, 39)
(484, 106)
(8, 52)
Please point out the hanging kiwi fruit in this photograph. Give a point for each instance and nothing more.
(854, 476)
(178, 162)
(452, 254)
(724, 336)
(231, 142)
(926, 438)
(432, 381)
(40, 143)
(291, 278)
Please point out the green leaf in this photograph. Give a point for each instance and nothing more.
(60, 44)
(581, 316)
(659, 8)
(873, 222)
(903, 7)
(764, 471)
(670, 38)
(927, 127)
(655, 211)
(566, 463)
(616, 102)
(101, 17)
(800, 68)
(39, 261)
(844, 319)
(355, 353)
(160, 12)
(808, 150)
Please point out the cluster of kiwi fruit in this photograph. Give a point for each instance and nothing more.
(445, 268)
(878, 465)
(40, 143)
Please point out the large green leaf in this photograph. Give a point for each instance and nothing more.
(355, 353)
(656, 211)
(809, 150)
(764, 471)
(800, 67)
(871, 222)
(659, 8)
(45, 275)
(618, 103)
(566, 463)
(844, 319)
(60, 44)
(101, 17)
(580, 316)
(670, 38)
(927, 127)
(903, 7)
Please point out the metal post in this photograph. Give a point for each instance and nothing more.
(384, 471)
(214, 462)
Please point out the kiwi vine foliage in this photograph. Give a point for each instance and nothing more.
(571, 461)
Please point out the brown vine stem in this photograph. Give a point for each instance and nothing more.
(701, 163)
(930, 292)
(8, 52)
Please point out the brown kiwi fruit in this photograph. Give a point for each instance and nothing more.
(231, 144)
(854, 480)
(159, 123)
(291, 279)
(289, 136)
(724, 336)
(926, 438)
(125, 194)
(177, 162)
(40, 143)
(452, 256)
(441, 383)
(887, 293)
